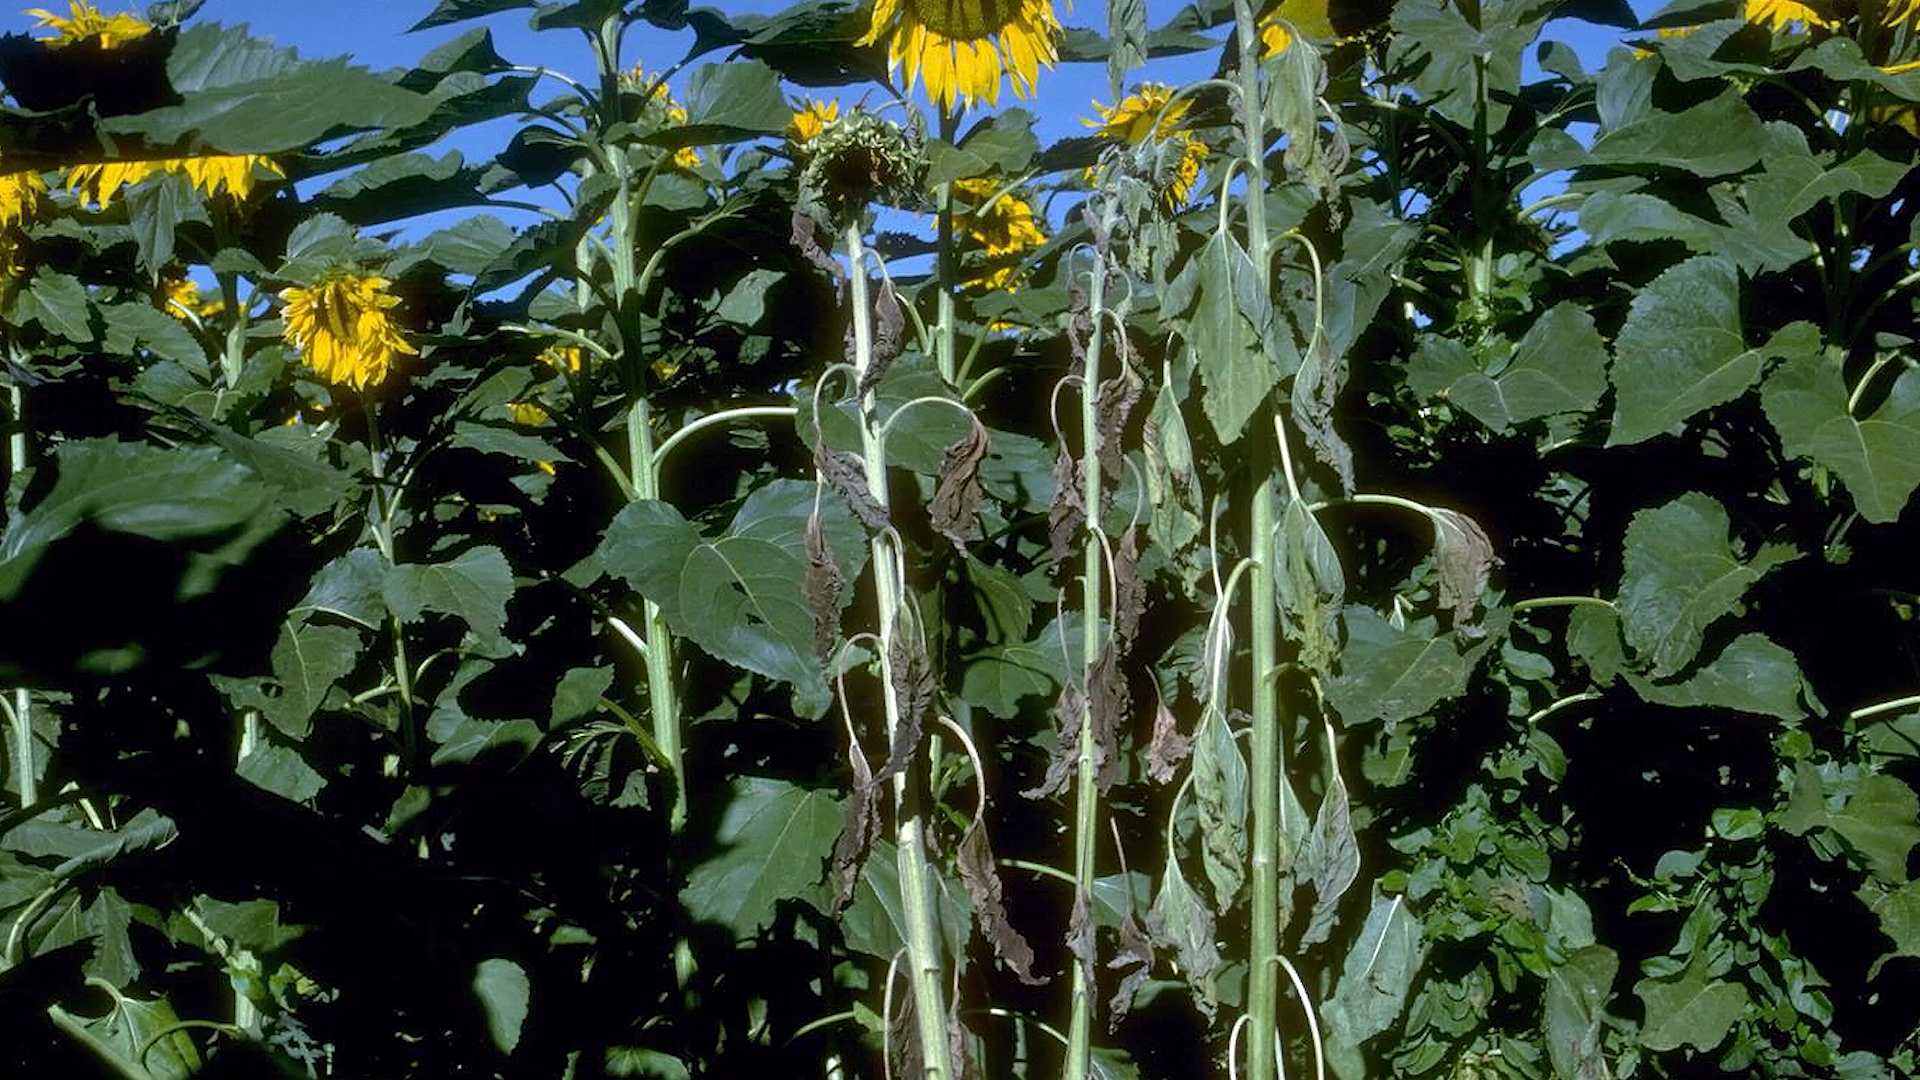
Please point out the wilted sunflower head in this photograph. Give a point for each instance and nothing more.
(963, 47)
(860, 159)
(1001, 230)
(84, 22)
(343, 330)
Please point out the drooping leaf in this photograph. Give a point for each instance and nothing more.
(1226, 335)
(349, 588)
(1330, 859)
(1220, 794)
(1559, 366)
(1002, 144)
(1679, 574)
(981, 878)
(1376, 976)
(1877, 457)
(281, 770)
(1576, 1004)
(771, 845)
(1181, 921)
(735, 101)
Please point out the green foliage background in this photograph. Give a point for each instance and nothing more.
(1437, 635)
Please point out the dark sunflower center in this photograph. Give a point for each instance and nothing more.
(963, 20)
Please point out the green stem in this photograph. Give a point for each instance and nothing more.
(384, 504)
(663, 696)
(1896, 705)
(1267, 760)
(923, 956)
(1086, 804)
(1561, 601)
(20, 718)
(713, 420)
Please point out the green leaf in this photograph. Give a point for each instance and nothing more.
(1002, 144)
(736, 596)
(1711, 139)
(876, 922)
(1877, 458)
(250, 924)
(772, 844)
(1752, 674)
(736, 100)
(1559, 367)
(1576, 1006)
(173, 495)
(139, 1038)
(1607, 216)
(289, 461)
(1681, 350)
(230, 106)
(136, 325)
(1226, 334)
(308, 661)
(473, 586)
(349, 587)
(1389, 674)
(1679, 575)
(281, 770)
(55, 302)
(110, 917)
(1899, 913)
(1179, 918)
(461, 739)
(1881, 822)
(999, 677)
(578, 693)
(1689, 1011)
(503, 989)
(1376, 976)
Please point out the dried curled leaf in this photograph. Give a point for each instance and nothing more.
(1136, 952)
(1316, 388)
(847, 475)
(1069, 510)
(822, 588)
(1072, 711)
(805, 237)
(1108, 703)
(1465, 558)
(861, 826)
(1080, 935)
(955, 508)
(981, 879)
(912, 673)
(889, 323)
(1168, 748)
(1129, 591)
(1112, 408)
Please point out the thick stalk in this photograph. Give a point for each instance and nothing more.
(1267, 761)
(663, 696)
(923, 957)
(384, 504)
(1086, 808)
(20, 716)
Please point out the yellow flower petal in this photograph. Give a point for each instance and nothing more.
(84, 21)
(342, 328)
(962, 49)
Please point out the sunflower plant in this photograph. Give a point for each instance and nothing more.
(1383, 560)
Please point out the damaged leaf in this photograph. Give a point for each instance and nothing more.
(847, 475)
(822, 588)
(1316, 388)
(1169, 748)
(982, 882)
(1071, 711)
(912, 673)
(1465, 558)
(955, 509)
(1068, 511)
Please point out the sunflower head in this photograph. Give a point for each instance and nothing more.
(859, 159)
(1140, 116)
(1001, 229)
(182, 300)
(810, 118)
(1779, 15)
(343, 330)
(963, 47)
(659, 110)
(20, 195)
(233, 175)
(563, 358)
(84, 22)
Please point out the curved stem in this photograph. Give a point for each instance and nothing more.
(713, 419)
(1562, 601)
(1896, 705)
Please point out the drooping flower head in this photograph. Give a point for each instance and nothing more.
(1002, 231)
(342, 328)
(810, 118)
(85, 22)
(1151, 119)
(232, 174)
(963, 47)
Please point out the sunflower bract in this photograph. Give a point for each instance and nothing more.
(342, 328)
(963, 47)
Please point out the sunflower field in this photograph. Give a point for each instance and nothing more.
(1391, 559)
